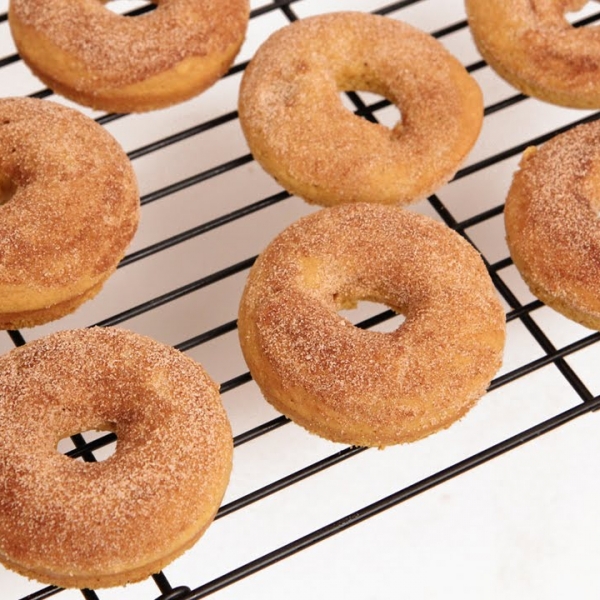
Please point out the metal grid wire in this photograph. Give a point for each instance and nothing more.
(190, 304)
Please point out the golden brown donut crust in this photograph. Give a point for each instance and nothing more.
(552, 226)
(364, 387)
(77, 524)
(531, 45)
(299, 131)
(71, 208)
(98, 58)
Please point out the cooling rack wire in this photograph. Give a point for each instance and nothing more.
(303, 517)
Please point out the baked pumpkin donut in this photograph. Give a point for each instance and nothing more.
(552, 226)
(69, 208)
(531, 45)
(299, 131)
(83, 51)
(364, 387)
(79, 524)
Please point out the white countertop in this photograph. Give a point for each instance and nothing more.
(521, 525)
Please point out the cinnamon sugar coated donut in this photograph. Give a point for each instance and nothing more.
(552, 226)
(300, 132)
(364, 387)
(532, 45)
(69, 208)
(80, 524)
(82, 50)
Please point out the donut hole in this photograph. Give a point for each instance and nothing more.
(128, 8)
(8, 189)
(103, 446)
(371, 106)
(569, 11)
(360, 312)
(578, 11)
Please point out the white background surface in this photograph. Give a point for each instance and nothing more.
(523, 525)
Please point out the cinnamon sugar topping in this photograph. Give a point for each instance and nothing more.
(123, 49)
(532, 45)
(74, 209)
(553, 226)
(84, 524)
(365, 387)
(298, 129)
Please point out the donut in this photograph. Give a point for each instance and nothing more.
(531, 45)
(299, 131)
(87, 53)
(69, 206)
(552, 227)
(99, 524)
(356, 386)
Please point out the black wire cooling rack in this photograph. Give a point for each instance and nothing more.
(207, 211)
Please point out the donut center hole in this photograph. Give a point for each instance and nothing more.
(373, 315)
(372, 107)
(569, 11)
(91, 445)
(579, 9)
(7, 189)
(128, 8)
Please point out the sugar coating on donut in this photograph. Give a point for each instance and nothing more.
(358, 386)
(77, 524)
(552, 224)
(72, 211)
(299, 131)
(108, 61)
(533, 46)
